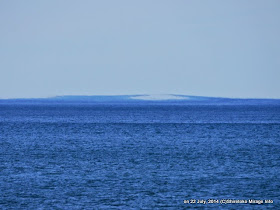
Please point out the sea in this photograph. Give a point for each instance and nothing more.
(139, 156)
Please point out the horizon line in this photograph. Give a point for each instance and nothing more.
(115, 95)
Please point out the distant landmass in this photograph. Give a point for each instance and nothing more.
(143, 99)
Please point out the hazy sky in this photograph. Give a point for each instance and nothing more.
(107, 47)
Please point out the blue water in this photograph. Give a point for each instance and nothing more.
(86, 156)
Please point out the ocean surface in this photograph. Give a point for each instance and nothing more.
(129, 156)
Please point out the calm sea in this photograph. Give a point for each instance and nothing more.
(86, 156)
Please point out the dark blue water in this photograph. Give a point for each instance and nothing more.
(128, 156)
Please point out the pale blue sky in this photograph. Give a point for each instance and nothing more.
(86, 47)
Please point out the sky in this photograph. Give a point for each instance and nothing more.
(88, 47)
